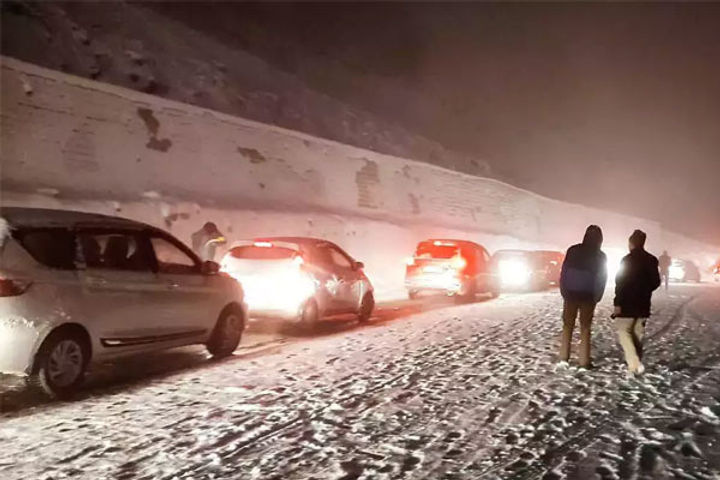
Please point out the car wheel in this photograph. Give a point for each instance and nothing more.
(366, 307)
(468, 295)
(310, 315)
(227, 333)
(61, 364)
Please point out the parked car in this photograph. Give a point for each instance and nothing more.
(299, 279)
(521, 270)
(77, 288)
(457, 268)
(552, 262)
(684, 271)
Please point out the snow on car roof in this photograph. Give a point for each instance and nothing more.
(299, 241)
(513, 252)
(449, 242)
(18, 217)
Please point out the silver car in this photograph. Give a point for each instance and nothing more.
(76, 288)
(299, 279)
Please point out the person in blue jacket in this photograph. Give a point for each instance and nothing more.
(582, 284)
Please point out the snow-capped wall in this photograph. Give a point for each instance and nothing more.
(77, 143)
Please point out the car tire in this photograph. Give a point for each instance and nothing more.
(227, 333)
(469, 295)
(61, 364)
(310, 315)
(366, 307)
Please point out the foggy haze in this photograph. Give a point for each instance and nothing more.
(615, 106)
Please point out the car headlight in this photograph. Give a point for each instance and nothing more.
(514, 272)
(676, 272)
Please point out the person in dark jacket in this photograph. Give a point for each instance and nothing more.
(664, 262)
(582, 284)
(637, 278)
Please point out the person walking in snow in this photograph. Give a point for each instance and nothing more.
(206, 240)
(582, 284)
(664, 263)
(637, 278)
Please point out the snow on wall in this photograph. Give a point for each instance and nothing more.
(77, 143)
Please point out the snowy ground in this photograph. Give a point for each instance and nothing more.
(464, 392)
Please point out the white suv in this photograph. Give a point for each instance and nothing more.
(78, 287)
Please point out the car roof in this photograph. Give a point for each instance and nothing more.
(514, 252)
(466, 243)
(300, 241)
(18, 217)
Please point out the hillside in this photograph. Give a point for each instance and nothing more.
(152, 48)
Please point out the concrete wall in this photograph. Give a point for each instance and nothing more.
(76, 143)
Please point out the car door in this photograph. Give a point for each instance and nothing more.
(485, 278)
(349, 289)
(330, 269)
(469, 254)
(189, 301)
(119, 288)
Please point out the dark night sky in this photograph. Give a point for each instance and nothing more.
(612, 105)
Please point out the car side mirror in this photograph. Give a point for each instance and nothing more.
(210, 268)
(359, 265)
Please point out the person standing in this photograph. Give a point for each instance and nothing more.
(637, 278)
(582, 284)
(206, 240)
(664, 262)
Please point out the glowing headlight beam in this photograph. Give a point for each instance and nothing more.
(514, 272)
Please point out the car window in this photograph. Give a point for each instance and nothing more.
(339, 259)
(52, 247)
(437, 250)
(115, 250)
(171, 259)
(320, 255)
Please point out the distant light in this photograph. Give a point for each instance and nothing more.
(614, 262)
(676, 272)
(514, 273)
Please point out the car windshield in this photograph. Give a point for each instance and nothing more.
(432, 250)
(253, 252)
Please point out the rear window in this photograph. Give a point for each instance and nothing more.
(52, 247)
(430, 250)
(252, 252)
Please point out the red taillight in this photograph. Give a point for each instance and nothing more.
(12, 288)
(459, 263)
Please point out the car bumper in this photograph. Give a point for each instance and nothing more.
(25, 321)
(274, 314)
(19, 338)
(439, 283)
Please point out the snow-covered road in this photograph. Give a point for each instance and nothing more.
(465, 392)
